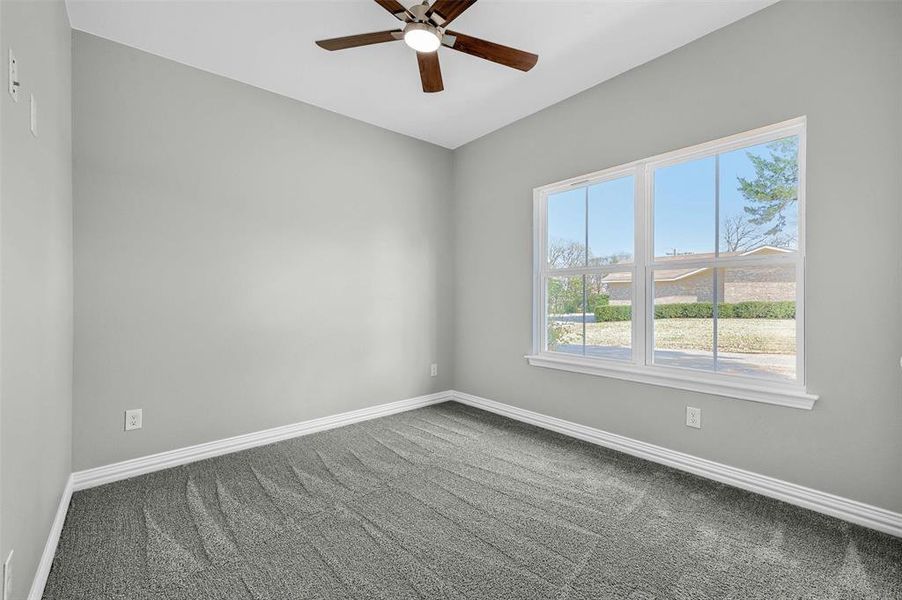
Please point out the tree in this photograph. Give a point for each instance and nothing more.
(611, 259)
(775, 186)
(563, 254)
(740, 235)
(565, 295)
(568, 295)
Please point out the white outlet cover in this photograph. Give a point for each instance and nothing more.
(134, 419)
(433, 369)
(693, 417)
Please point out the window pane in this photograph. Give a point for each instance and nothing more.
(684, 208)
(756, 327)
(609, 328)
(567, 229)
(564, 314)
(684, 323)
(759, 191)
(611, 225)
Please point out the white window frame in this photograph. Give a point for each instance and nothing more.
(641, 367)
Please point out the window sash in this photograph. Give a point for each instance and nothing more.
(644, 263)
(687, 263)
(542, 330)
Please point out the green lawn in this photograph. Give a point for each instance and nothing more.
(758, 336)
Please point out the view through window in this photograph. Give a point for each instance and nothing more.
(692, 260)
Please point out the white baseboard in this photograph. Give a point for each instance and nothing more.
(81, 480)
(836, 506)
(172, 458)
(43, 570)
(822, 502)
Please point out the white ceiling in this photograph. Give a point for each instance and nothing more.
(269, 44)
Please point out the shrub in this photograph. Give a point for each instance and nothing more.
(763, 310)
(565, 295)
(704, 310)
(596, 300)
(695, 310)
(607, 313)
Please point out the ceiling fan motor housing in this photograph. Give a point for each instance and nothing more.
(418, 11)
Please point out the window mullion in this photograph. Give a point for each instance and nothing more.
(576, 271)
(585, 301)
(716, 255)
(714, 318)
(689, 262)
(639, 313)
(585, 277)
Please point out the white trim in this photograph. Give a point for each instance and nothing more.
(742, 388)
(155, 462)
(801, 364)
(53, 538)
(81, 480)
(829, 504)
(753, 137)
(737, 141)
(641, 366)
(723, 262)
(842, 508)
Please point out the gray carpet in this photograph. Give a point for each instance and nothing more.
(452, 502)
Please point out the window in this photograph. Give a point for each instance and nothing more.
(684, 270)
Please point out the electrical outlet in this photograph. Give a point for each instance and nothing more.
(693, 417)
(8, 577)
(433, 370)
(133, 419)
(13, 76)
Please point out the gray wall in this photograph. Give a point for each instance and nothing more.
(243, 260)
(839, 64)
(35, 282)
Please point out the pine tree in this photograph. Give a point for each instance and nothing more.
(775, 186)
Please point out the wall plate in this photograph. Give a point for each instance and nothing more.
(693, 417)
(134, 419)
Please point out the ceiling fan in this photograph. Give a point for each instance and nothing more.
(425, 30)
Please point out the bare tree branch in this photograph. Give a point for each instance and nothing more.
(741, 235)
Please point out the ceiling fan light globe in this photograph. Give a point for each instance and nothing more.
(422, 38)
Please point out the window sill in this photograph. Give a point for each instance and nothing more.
(794, 397)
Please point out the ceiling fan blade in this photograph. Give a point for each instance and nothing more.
(430, 72)
(448, 10)
(395, 8)
(363, 39)
(503, 55)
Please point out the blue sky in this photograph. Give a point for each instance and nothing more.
(684, 207)
(610, 208)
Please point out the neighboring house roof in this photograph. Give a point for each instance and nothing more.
(665, 275)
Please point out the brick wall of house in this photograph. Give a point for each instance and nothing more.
(760, 283)
(735, 285)
(619, 293)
